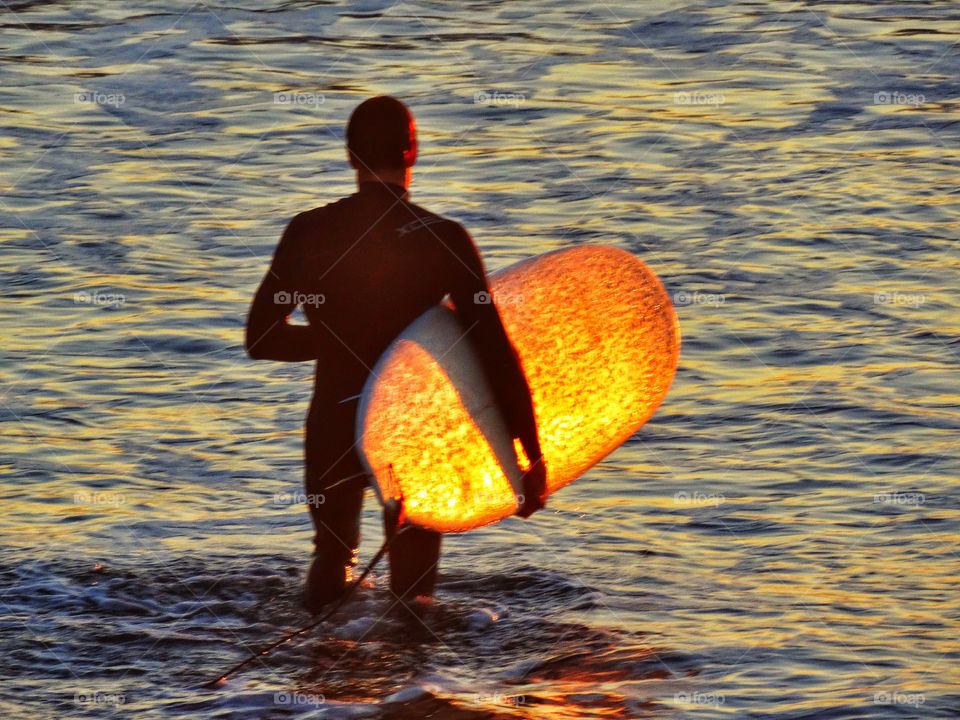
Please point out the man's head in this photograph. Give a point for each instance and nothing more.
(382, 136)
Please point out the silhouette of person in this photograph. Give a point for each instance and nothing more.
(362, 269)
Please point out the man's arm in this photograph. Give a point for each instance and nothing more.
(270, 336)
(473, 301)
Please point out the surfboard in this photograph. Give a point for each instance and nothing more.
(599, 342)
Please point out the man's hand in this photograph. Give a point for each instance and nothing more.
(534, 489)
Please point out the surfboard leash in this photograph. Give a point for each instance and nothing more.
(263, 652)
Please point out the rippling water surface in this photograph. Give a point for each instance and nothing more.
(779, 542)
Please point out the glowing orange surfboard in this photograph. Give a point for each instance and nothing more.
(599, 342)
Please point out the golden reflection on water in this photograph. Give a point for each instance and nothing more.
(740, 528)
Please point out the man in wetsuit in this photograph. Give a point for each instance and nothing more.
(364, 268)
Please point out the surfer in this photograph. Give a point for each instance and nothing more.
(362, 269)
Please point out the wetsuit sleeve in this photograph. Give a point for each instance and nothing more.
(269, 335)
(472, 299)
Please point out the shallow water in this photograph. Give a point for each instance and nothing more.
(779, 542)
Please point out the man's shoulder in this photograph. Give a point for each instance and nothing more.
(317, 215)
(306, 227)
(409, 221)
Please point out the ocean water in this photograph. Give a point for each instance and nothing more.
(780, 541)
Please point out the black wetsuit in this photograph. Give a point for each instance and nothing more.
(364, 268)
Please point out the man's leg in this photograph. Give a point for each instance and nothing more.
(414, 556)
(335, 500)
(336, 537)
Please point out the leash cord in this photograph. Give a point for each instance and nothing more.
(307, 628)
